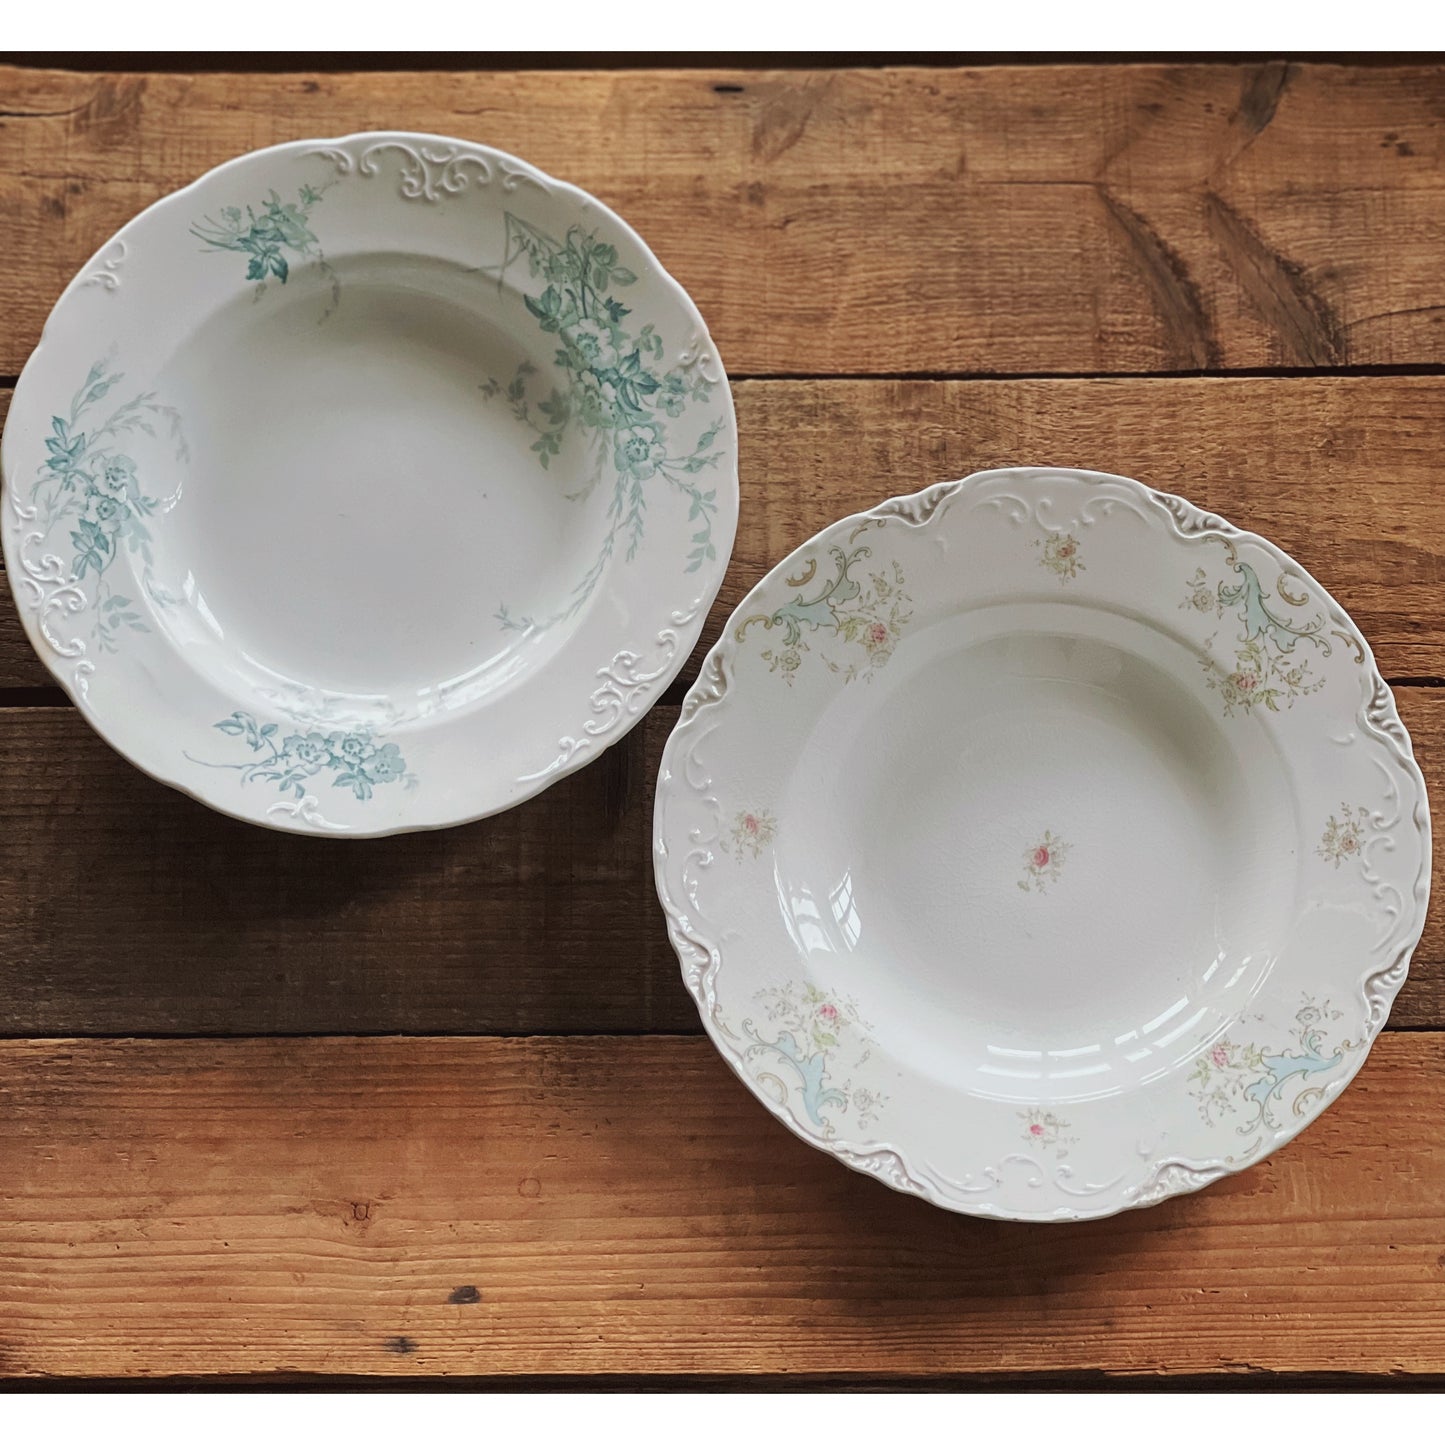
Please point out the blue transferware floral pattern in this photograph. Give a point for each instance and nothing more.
(613, 390)
(91, 486)
(354, 759)
(265, 235)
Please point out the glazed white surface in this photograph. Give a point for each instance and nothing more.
(378, 495)
(1019, 849)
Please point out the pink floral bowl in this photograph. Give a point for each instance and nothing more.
(1042, 845)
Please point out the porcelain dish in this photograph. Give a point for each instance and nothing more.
(1042, 845)
(369, 484)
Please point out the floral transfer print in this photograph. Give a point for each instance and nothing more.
(1344, 836)
(354, 759)
(92, 487)
(751, 833)
(1266, 669)
(1043, 863)
(1045, 1130)
(264, 237)
(855, 625)
(614, 392)
(815, 1035)
(1250, 1079)
(1060, 554)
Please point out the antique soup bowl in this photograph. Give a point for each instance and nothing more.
(1042, 845)
(369, 484)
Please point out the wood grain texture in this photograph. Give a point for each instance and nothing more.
(1342, 472)
(336, 1205)
(130, 909)
(1067, 218)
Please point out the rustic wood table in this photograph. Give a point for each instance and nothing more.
(280, 1109)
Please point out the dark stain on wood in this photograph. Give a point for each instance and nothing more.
(1188, 330)
(784, 117)
(465, 1294)
(617, 779)
(112, 114)
(1260, 94)
(1303, 321)
(727, 90)
(400, 1345)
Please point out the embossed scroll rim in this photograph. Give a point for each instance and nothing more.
(606, 699)
(699, 945)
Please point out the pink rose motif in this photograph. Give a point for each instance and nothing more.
(1348, 844)
(1220, 1055)
(877, 634)
(1041, 857)
(1066, 549)
(1037, 1130)
(1245, 681)
(827, 1012)
(750, 822)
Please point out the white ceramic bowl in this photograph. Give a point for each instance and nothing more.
(1042, 845)
(369, 484)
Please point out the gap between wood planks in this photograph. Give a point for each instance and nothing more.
(1046, 1382)
(393, 62)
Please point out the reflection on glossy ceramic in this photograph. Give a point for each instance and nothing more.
(369, 484)
(1076, 852)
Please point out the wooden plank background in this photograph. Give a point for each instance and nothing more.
(207, 1167)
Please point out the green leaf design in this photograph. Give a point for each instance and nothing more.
(265, 237)
(614, 392)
